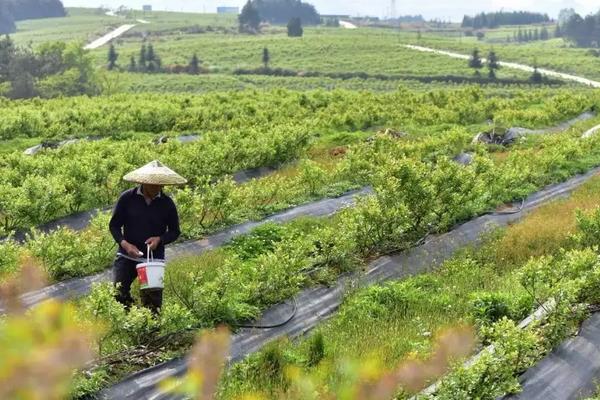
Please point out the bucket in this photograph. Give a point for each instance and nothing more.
(151, 273)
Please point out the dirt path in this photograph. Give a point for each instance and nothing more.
(109, 36)
(511, 65)
(348, 25)
(113, 34)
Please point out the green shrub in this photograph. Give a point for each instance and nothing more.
(271, 363)
(9, 258)
(261, 240)
(495, 373)
(316, 349)
(588, 228)
(65, 253)
(487, 308)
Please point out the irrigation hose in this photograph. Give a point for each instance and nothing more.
(511, 212)
(277, 325)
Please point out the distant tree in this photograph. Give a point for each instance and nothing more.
(475, 62)
(557, 31)
(565, 15)
(266, 58)
(529, 35)
(536, 76)
(143, 58)
(294, 27)
(132, 65)
(520, 37)
(18, 10)
(544, 35)
(194, 66)
(7, 52)
(492, 64)
(281, 11)
(52, 69)
(7, 20)
(495, 19)
(249, 19)
(515, 37)
(150, 56)
(112, 57)
(480, 35)
(536, 35)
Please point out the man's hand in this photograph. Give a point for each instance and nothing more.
(153, 242)
(130, 249)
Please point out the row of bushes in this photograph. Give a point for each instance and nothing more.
(228, 288)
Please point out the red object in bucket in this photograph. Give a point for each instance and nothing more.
(142, 276)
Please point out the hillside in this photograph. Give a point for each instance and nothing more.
(401, 210)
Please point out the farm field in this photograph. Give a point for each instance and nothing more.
(552, 54)
(409, 211)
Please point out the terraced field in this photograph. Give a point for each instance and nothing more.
(341, 231)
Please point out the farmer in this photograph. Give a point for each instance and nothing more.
(143, 218)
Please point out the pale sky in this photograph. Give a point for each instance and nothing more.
(452, 9)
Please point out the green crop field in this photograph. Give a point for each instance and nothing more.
(552, 54)
(279, 148)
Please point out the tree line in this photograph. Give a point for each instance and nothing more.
(493, 64)
(582, 31)
(148, 61)
(18, 10)
(530, 35)
(293, 12)
(53, 69)
(495, 19)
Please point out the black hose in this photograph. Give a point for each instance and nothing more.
(511, 212)
(277, 325)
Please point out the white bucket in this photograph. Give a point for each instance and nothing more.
(151, 273)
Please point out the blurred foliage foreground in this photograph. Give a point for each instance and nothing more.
(42, 347)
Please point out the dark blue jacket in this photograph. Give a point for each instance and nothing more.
(136, 221)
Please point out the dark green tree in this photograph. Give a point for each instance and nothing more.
(520, 37)
(249, 18)
(544, 35)
(294, 27)
(194, 66)
(143, 58)
(536, 76)
(536, 34)
(557, 31)
(132, 65)
(7, 20)
(266, 58)
(150, 55)
(7, 52)
(112, 57)
(475, 62)
(492, 64)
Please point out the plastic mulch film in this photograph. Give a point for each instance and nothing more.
(81, 286)
(316, 304)
(571, 371)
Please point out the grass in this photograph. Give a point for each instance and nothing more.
(552, 54)
(321, 49)
(390, 322)
(80, 25)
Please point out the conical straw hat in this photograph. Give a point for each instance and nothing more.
(155, 173)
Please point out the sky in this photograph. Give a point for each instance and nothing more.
(446, 10)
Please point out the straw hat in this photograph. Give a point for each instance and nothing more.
(155, 173)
